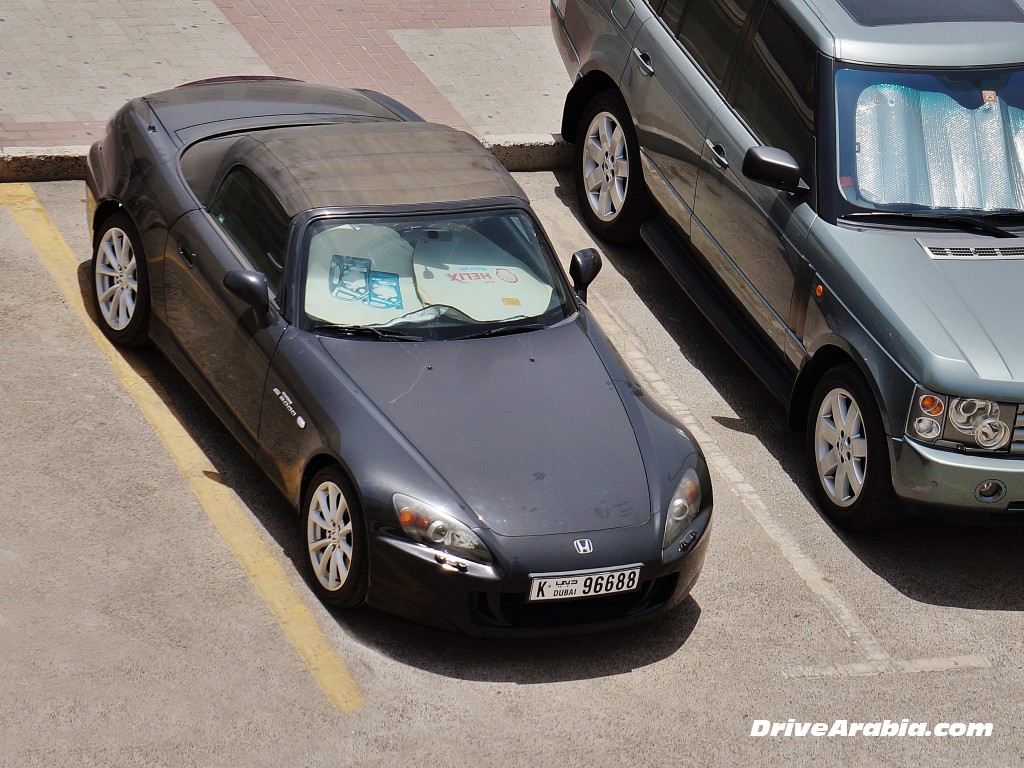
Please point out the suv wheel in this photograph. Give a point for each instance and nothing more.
(848, 453)
(609, 179)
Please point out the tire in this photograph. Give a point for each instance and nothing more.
(120, 282)
(610, 186)
(848, 455)
(334, 537)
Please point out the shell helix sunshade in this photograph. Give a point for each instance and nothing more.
(469, 272)
(875, 13)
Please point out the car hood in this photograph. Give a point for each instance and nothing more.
(528, 429)
(949, 300)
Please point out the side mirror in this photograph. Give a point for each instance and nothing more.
(774, 168)
(250, 287)
(583, 269)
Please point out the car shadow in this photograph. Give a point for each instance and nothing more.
(928, 561)
(525, 661)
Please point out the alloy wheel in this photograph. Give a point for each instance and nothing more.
(329, 536)
(605, 166)
(841, 447)
(117, 286)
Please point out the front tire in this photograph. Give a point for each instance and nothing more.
(334, 537)
(609, 179)
(120, 282)
(848, 455)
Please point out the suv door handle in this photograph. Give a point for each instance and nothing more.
(644, 59)
(717, 154)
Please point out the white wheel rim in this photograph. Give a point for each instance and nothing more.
(117, 286)
(605, 166)
(841, 447)
(329, 536)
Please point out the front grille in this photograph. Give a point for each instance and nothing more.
(514, 610)
(1017, 443)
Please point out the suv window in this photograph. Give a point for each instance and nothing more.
(709, 30)
(775, 87)
(255, 222)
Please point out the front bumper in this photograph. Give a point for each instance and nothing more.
(405, 579)
(939, 483)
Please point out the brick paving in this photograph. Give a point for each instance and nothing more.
(65, 65)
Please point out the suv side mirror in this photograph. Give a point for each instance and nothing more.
(583, 269)
(250, 287)
(773, 167)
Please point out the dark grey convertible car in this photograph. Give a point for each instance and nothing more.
(368, 303)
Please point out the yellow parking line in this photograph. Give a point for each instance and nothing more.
(229, 516)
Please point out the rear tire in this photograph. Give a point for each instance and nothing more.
(609, 178)
(848, 455)
(120, 282)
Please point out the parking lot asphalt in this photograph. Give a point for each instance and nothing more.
(139, 625)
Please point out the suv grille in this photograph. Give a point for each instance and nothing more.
(1017, 443)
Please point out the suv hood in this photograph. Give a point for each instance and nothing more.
(528, 429)
(952, 299)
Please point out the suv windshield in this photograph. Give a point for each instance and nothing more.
(438, 276)
(940, 141)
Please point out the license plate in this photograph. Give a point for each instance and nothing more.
(566, 586)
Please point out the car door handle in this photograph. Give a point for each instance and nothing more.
(187, 255)
(644, 59)
(717, 154)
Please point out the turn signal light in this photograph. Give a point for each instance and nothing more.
(931, 405)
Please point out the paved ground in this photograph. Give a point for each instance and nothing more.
(488, 67)
(134, 633)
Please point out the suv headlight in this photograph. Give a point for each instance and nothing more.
(438, 530)
(967, 421)
(683, 507)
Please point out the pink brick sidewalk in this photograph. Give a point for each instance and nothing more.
(338, 42)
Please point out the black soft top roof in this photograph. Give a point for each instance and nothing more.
(360, 163)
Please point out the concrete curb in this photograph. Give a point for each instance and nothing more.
(42, 163)
(528, 152)
(517, 152)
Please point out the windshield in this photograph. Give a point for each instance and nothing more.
(938, 141)
(438, 276)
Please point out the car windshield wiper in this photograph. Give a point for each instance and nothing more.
(377, 331)
(959, 220)
(503, 330)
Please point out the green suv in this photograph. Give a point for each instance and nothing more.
(839, 186)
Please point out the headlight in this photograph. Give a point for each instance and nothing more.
(439, 530)
(683, 507)
(965, 421)
(979, 419)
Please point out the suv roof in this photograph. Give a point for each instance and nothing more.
(928, 33)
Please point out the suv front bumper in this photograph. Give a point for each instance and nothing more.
(935, 482)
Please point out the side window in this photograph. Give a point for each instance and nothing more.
(709, 30)
(671, 11)
(775, 87)
(255, 221)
